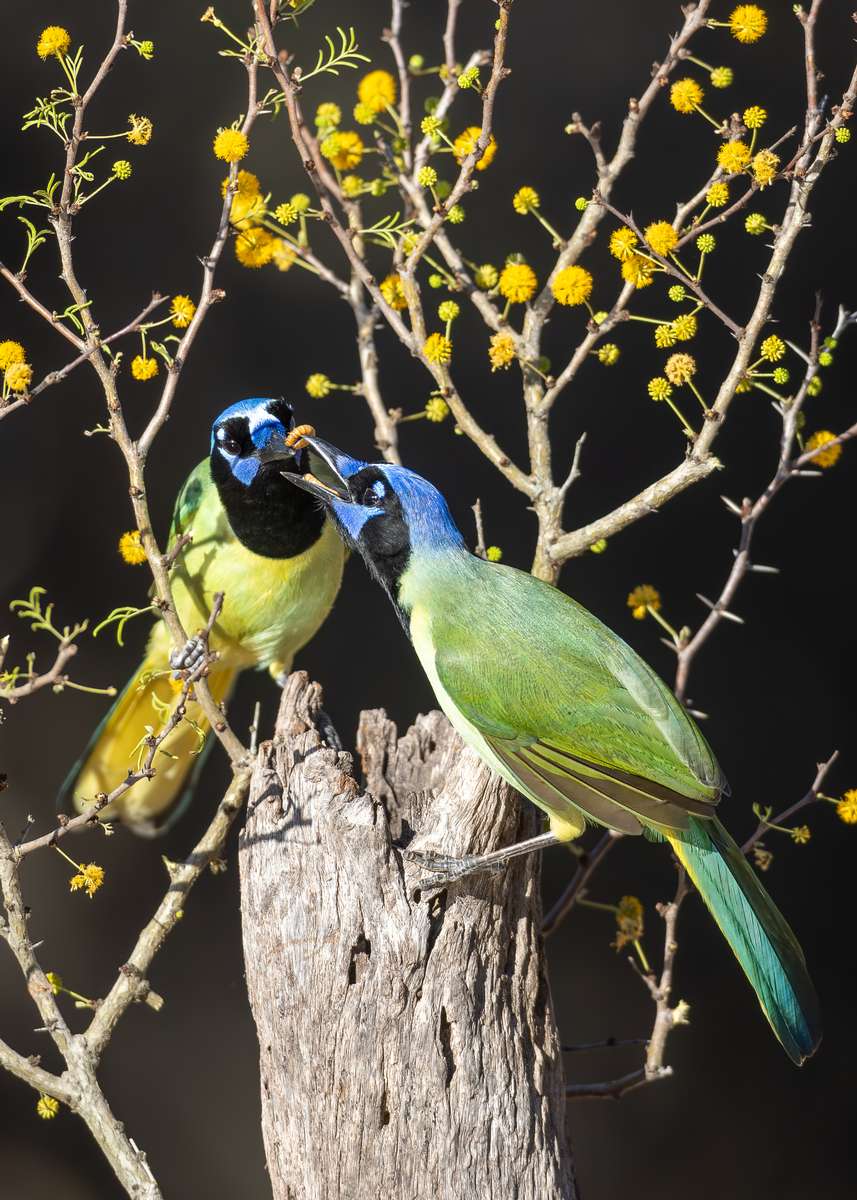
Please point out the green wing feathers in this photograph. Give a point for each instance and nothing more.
(757, 932)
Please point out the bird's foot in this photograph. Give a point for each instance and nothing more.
(189, 657)
(328, 731)
(446, 869)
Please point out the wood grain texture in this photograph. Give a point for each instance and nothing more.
(408, 1045)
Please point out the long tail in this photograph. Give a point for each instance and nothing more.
(149, 698)
(758, 933)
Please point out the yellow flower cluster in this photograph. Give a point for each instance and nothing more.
(182, 309)
(140, 133)
(846, 809)
(662, 237)
(525, 200)
(685, 95)
(436, 409)
(501, 351)
(638, 270)
(748, 23)
(254, 247)
(517, 283)
(230, 145)
(438, 349)
(343, 149)
(89, 877)
(17, 372)
(623, 242)
(764, 167)
(465, 144)
(377, 90)
(641, 599)
(393, 292)
(53, 40)
(144, 367)
(572, 285)
(131, 548)
(825, 455)
(733, 157)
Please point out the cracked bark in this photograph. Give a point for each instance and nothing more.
(408, 1044)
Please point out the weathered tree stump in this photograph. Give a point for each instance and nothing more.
(407, 1042)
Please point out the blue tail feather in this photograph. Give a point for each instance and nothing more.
(757, 932)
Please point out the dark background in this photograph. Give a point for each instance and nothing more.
(737, 1118)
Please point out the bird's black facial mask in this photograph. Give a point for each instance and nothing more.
(251, 434)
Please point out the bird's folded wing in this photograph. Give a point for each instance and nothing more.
(578, 717)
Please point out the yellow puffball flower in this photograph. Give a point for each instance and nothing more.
(318, 386)
(328, 115)
(717, 195)
(364, 114)
(685, 95)
(755, 223)
(721, 77)
(286, 213)
(801, 834)
(18, 376)
(733, 157)
(843, 135)
(437, 348)
(638, 270)
(89, 877)
(846, 809)
(254, 247)
(131, 548)
(684, 327)
(343, 149)
(143, 368)
(436, 409)
(493, 553)
(47, 1108)
(377, 90)
(53, 40)
(517, 282)
(465, 144)
(608, 356)
(572, 285)
(301, 201)
(659, 388)
(246, 184)
(680, 368)
(641, 599)
(426, 177)
(622, 243)
(486, 277)
(773, 348)
(352, 186)
(501, 351)
(122, 169)
(662, 237)
(765, 166)
(448, 310)
(246, 210)
(824, 457)
(525, 200)
(665, 336)
(393, 292)
(11, 352)
(140, 133)
(231, 145)
(283, 254)
(748, 23)
(754, 117)
(182, 309)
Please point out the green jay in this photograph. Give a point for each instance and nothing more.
(278, 560)
(565, 711)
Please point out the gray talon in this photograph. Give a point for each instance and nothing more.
(189, 657)
(446, 869)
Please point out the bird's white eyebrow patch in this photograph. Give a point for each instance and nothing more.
(379, 489)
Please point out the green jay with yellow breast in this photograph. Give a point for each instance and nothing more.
(565, 711)
(278, 561)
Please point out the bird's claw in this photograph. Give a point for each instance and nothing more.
(445, 869)
(189, 657)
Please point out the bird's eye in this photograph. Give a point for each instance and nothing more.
(371, 498)
(231, 445)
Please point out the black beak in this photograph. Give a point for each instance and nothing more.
(335, 486)
(276, 449)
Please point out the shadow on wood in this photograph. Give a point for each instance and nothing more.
(408, 1044)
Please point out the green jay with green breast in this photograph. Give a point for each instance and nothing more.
(278, 561)
(565, 711)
